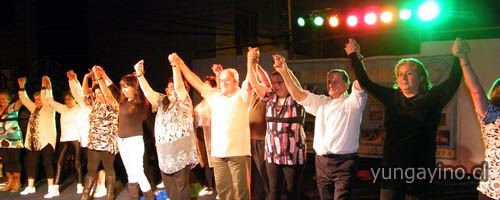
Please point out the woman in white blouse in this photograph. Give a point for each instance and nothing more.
(40, 137)
(70, 137)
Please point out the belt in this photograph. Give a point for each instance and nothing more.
(350, 155)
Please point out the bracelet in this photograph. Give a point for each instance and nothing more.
(21, 89)
(173, 65)
(44, 88)
(142, 74)
(98, 79)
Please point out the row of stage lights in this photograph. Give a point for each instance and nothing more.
(427, 11)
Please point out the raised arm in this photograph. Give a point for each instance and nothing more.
(262, 76)
(460, 50)
(108, 96)
(49, 99)
(190, 76)
(85, 83)
(252, 62)
(445, 90)
(44, 94)
(217, 69)
(23, 96)
(75, 87)
(150, 94)
(179, 87)
(353, 51)
(295, 90)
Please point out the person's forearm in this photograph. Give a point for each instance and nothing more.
(478, 95)
(264, 78)
(85, 86)
(108, 95)
(192, 78)
(297, 93)
(179, 87)
(294, 79)
(252, 77)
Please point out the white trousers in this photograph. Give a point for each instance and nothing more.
(132, 154)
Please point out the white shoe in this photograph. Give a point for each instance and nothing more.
(205, 191)
(100, 191)
(160, 185)
(28, 190)
(79, 188)
(53, 192)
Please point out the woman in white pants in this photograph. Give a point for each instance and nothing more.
(132, 112)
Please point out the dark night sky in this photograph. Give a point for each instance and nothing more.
(52, 36)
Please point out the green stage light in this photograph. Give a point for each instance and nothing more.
(301, 22)
(318, 21)
(405, 14)
(428, 11)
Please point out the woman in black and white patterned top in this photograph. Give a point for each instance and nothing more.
(103, 126)
(488, 113)
(174, 132)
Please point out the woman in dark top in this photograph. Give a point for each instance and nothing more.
(132, 112)
(412, 114)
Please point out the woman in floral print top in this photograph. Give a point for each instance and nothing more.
(488, 113)
(103, 126)
(174, 132)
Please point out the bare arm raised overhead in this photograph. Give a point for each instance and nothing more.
(460, 49)
(190, 76)
(23, 96)
(108, 95)
(292, 84)
(252, 62)
(150, 94)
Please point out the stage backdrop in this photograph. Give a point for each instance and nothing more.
(458, 136)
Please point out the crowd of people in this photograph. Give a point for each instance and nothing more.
(261, 122)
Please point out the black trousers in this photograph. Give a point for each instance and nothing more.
(334, 175)
(292, 175)
(260, 181)
(63, 152)
(94, 158)
(177, 184)
(10, 159)
(32, 158)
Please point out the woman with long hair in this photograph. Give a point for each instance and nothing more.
(103, 127)
(133, 111)
(487, 107)
(174, 132)
(412, 114)
(11, 141)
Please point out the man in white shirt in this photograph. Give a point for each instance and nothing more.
(230, 130)
(336, 129)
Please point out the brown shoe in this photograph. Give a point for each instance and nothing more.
(9, 182)
(16, 182)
